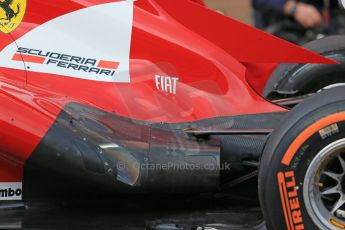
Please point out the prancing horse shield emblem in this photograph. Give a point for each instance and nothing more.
(11, 14)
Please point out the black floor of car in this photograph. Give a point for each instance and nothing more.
(169, 212)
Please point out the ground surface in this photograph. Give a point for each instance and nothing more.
(50, 218)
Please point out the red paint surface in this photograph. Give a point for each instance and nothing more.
(108, 64)
(28, 58)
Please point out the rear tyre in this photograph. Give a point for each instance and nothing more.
(293, 80)
(302, 170)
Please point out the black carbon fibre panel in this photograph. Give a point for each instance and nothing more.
(91, 153)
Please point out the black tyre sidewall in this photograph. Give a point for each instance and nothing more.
(293, 78)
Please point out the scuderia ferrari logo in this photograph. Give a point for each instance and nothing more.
(11, 14)
(60, 47)
(67, 61)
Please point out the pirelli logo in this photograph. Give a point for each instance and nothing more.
(11, 191)
(290, 201)
(67, 61)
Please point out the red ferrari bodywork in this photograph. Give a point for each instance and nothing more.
(186, 63)
(202, 2)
